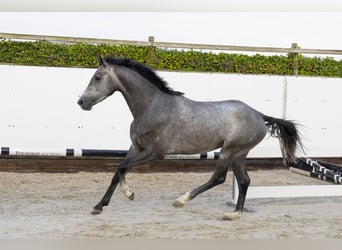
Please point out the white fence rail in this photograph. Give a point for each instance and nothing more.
(151, 42)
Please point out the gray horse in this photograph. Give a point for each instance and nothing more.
(165, 122)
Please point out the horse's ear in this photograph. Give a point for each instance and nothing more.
(100, 60)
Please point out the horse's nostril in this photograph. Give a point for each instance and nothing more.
(80, 102)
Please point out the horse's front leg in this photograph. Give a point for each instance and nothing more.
(132, 159)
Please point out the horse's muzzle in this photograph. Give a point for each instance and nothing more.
(83, 106)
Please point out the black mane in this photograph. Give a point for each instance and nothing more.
(145, 71)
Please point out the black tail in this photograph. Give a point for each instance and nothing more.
(288, 135)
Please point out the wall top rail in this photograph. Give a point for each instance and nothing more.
(151, 42)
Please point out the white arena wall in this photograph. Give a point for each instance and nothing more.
(39, 111)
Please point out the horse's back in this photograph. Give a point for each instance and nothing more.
(195, 127)
(236, 120)
(229, 112)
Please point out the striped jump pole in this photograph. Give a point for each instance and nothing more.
(68, 152)
(334, 167)
(315, 169)
(71, 152)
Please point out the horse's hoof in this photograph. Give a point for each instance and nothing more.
(181, 200)
(96, 211)
(231, 216)
(131, 196)
(178, 204)
(128, 193)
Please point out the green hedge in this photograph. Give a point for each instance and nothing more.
(84, 55)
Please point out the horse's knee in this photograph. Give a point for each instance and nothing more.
(221, 179)
(217, 180)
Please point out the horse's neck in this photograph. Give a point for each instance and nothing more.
(138, 93)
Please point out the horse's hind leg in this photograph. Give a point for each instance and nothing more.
(218, 177)
(243, 181)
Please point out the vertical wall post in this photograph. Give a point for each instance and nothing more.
(295, 59)
(151, 40)
(284, 104)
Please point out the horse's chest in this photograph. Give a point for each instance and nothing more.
(144, 132)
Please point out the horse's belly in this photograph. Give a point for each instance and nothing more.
(193, 143)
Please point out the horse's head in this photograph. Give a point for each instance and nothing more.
(100, 87)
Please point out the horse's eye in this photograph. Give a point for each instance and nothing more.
(97, 78)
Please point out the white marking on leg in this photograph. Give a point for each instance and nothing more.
(126, 190)
(232, 216)
(181, 200)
